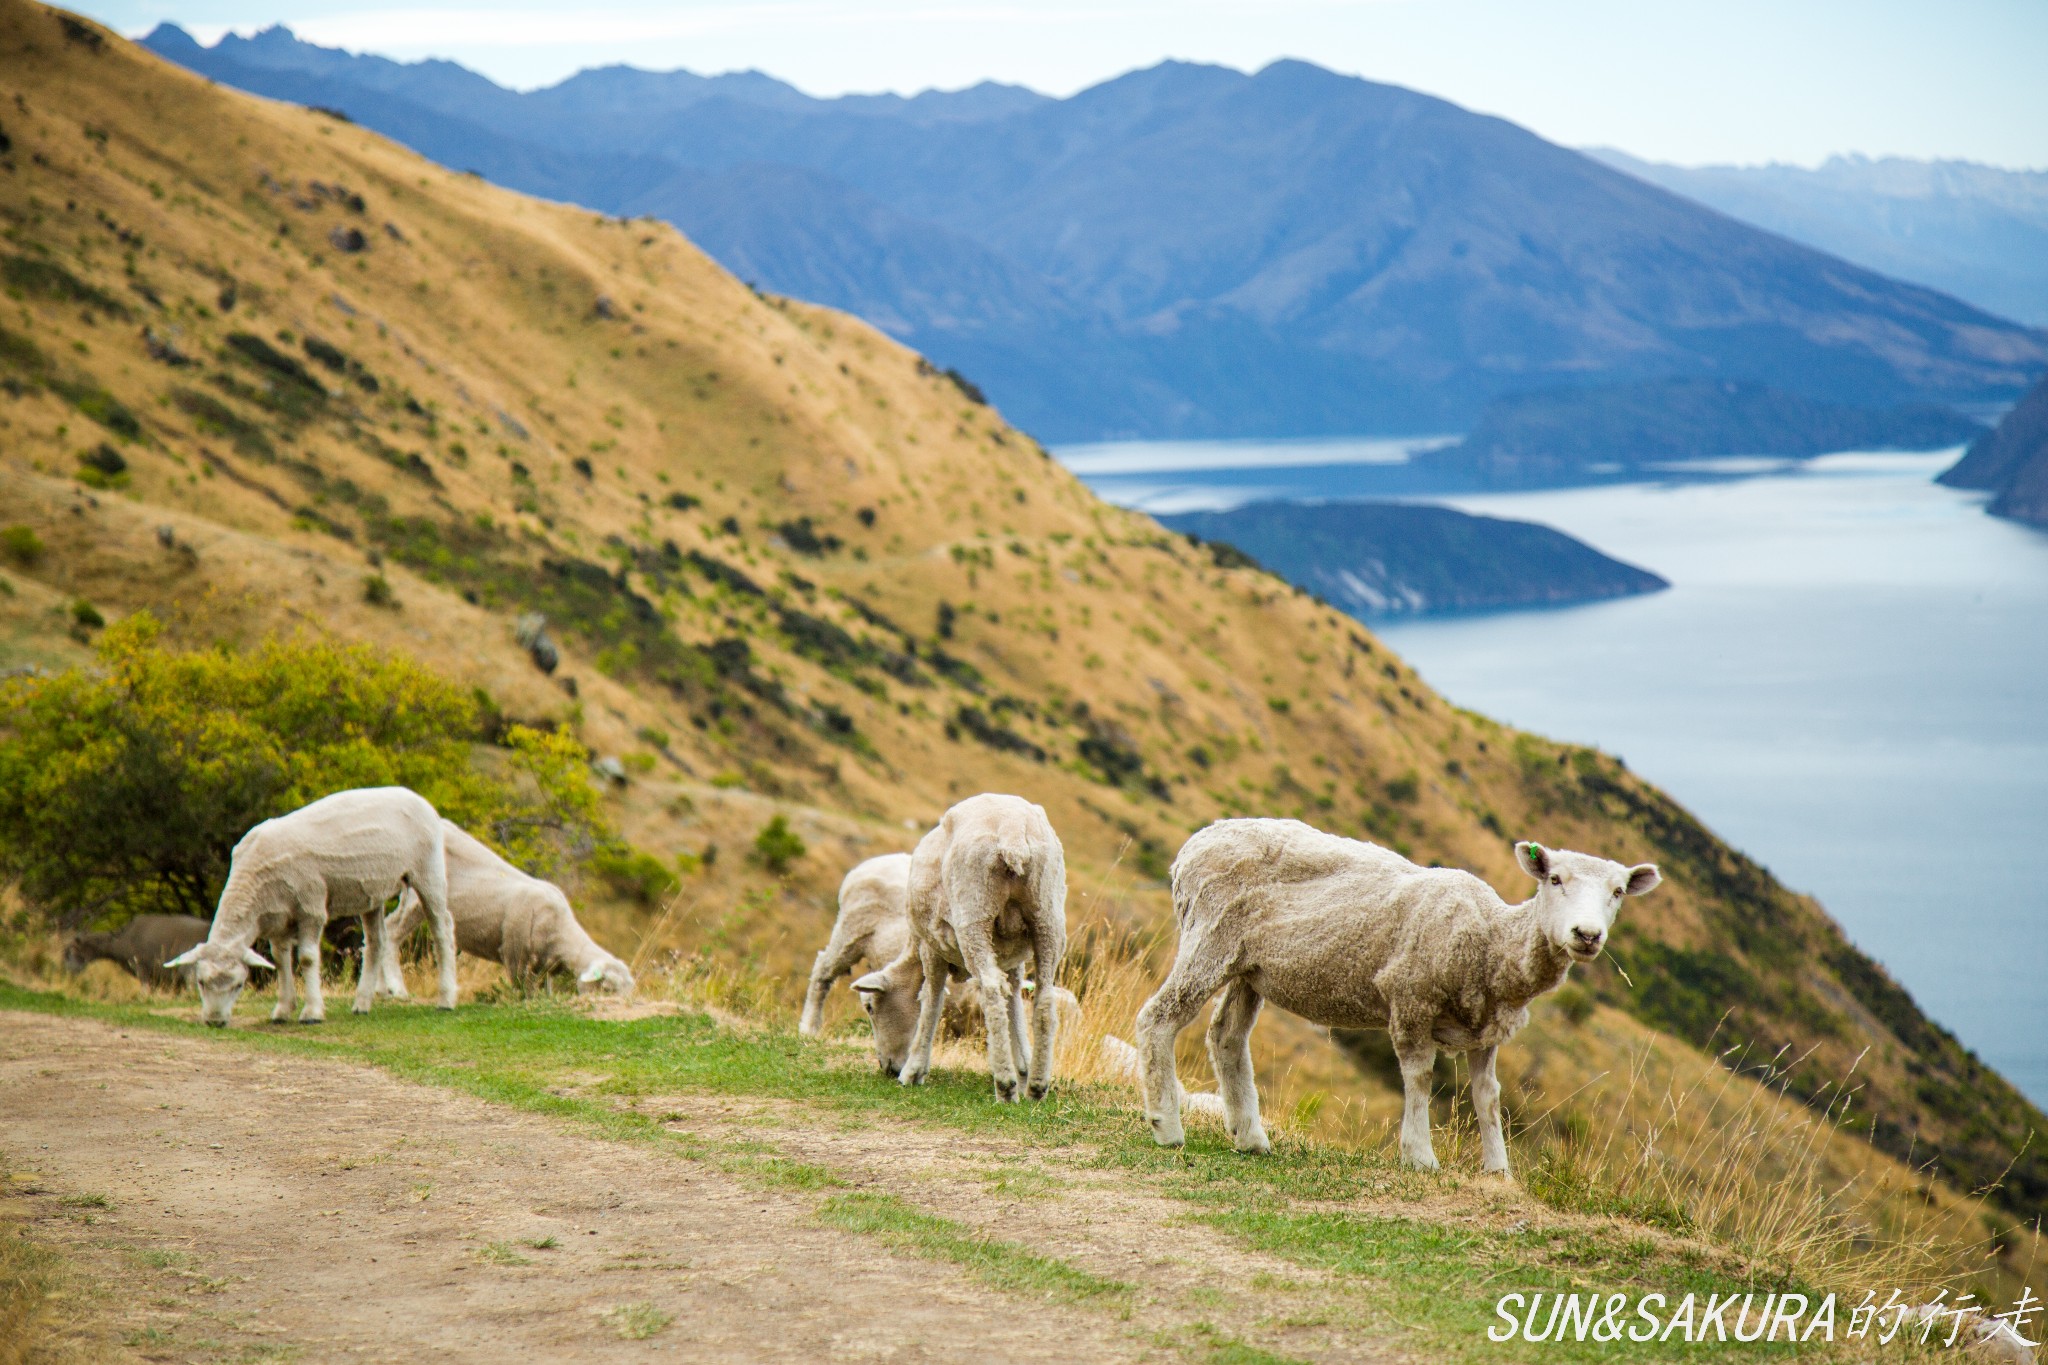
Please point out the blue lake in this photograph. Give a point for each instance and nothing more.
(1848, 680)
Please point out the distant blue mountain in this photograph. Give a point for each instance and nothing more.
(1977, 232)
(1187, 250)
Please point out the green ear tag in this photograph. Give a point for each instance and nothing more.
(1535, 851)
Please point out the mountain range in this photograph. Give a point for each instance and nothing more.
(1977, 232)
(1185, 250)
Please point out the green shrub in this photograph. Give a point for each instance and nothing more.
(777, 845)
(87, 615)
(377, 591)
(641, 876)
(22, 545)
(125, 788)
(102, 467)
(1576, 1003)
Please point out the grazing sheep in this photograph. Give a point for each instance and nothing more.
(1350, 935)
(517, 920)
(141, 946)
(987, 897)
(871, 928)
(343, 855)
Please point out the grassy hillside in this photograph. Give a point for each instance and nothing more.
(265, 372)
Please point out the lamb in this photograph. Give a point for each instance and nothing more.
(515, 919)
(987, 896)
(1350, 935)
(343, 855)
(141, 947)
(871, 928)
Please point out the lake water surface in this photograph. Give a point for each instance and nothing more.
(1848, 680)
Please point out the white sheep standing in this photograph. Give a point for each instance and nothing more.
(987, 897)
(1347, 934)
(343, 856)
(515, 919)
(872, 927)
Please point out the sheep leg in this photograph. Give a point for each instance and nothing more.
(310, 929)
(1416, 1051)
(371, 969)
(1020, 1046)
(1493, 1147)
(395, 929)
(432, 889)
(834, 960)
(1172, 1008)
(1049, 945)
(931, 1004)
(993, 983)
(1230, 1055)
(287, 997)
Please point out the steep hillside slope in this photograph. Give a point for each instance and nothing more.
(266, 370)
(1197, 251)
(1977, 232)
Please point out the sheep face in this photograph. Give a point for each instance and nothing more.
(220, 973)
(890, 998)
(76, 959)
(1577, 895)
(606, 974)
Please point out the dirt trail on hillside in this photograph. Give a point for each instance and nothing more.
(272, 1206)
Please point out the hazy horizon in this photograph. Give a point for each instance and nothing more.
(1692, 84)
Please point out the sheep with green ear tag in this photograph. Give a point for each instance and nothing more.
(1350, 935)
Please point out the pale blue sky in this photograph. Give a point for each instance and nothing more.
(1691, 81)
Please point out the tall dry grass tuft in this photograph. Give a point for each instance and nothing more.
(1726, 1151)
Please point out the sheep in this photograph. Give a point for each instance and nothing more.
(515, 919)
(1348, 934)
(141, 946)
(343, 855)
(987, 896)
(871, 928)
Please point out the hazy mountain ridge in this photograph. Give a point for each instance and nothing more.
(792, 568)
(1384, 559)
(1287, 253)
(1977, 232)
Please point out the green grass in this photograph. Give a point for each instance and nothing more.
(998, 1264)
(1426, 1284)
(637, 1321)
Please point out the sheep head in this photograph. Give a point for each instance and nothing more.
(220, 972)
(890, 998)
(606, 973)
(1578, 895)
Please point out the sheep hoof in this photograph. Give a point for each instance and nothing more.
(910, 1076)
(1168, 1136)
(1006, 1094)
(1426, 1162)
(1039, 1089)
(1254, 1143)
(358, 1009)
(313, 1019)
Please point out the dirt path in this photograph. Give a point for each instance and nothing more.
(245, 1205)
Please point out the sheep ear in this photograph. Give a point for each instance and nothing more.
(592, 974)
(186, 958)
(252, 958)
(1534, 859)
(874, 983)
(1643, 877)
